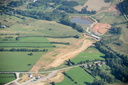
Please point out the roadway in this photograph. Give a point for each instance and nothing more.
(89, 33)
(51, 73)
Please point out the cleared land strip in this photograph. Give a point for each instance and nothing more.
(65, 56)
(62, 54)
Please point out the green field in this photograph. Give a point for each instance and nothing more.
(90, 54)
(79, 76)
(18, 61)
(25, 44)
(66, 81)
(6, 78)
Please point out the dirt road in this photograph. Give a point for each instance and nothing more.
(68, 55)
(47, 61)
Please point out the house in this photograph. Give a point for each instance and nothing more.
(99, 64)
(89, 65)
(30, 76)
(103, 62)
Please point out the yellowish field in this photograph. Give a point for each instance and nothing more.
(93, 5)
(96, 4)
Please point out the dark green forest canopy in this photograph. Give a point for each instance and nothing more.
(125, 6)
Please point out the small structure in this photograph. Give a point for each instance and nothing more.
(89, 65)
(99, 64)
(103, 62)
(38, 77)
(30, 76)
(3, 26)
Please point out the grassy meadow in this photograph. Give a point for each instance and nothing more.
(90, 54)
(79, 76)
(6, 78)
(18, 61)
(66, 81)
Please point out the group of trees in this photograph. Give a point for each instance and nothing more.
(106, 77)
(60, 43)
(67, 9)
(16, 3)
(85, 11)
(69, 63)
(67, 6)
(70, 78)
(115, 30)
(98, 82)
(55, 14)
(107, 1)
(66, 21)
(117, 62)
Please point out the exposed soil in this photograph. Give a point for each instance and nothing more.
(40, 83)
(113, 8)
(101, 28)
(58, 78)
(47, 61)
(68, 55)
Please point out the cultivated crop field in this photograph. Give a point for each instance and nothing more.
(79, 76)
(22, 54)
(90, 54)
(66, 81)
(6, 78)
(18, 61)
(96, 5)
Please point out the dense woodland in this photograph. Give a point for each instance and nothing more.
(118, 62)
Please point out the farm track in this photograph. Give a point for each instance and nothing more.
(62, 54)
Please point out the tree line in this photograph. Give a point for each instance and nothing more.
(70, 78)
(66, 21)
(117, 62)
(16, 3)
(23, 50)
(55, 14)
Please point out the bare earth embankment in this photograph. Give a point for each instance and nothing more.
(48, 61)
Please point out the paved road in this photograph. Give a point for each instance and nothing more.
(52, 73)
(89, 33)
(46, 71)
